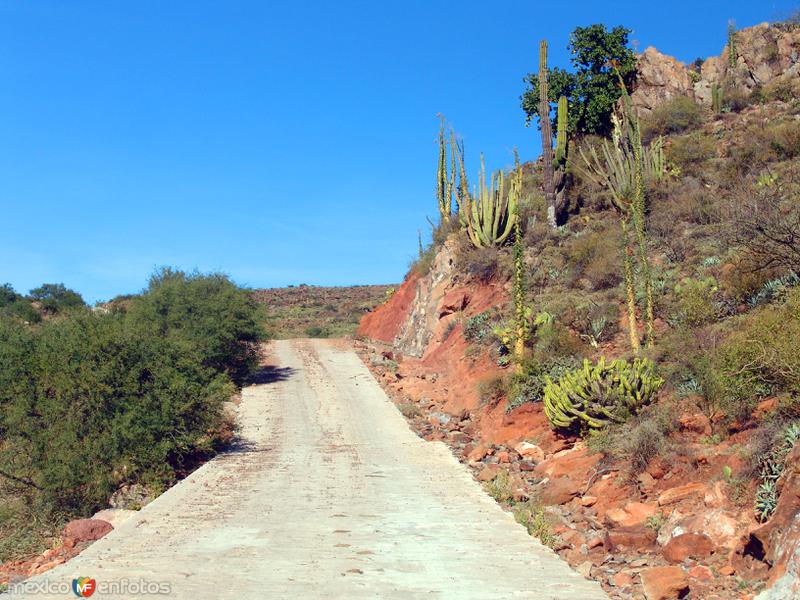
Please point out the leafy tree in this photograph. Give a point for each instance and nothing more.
(56, 297)
(592, 90)
(8, 295)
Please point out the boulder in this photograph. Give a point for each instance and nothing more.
(688, 545)
(86, 530)
(629, 538)
(530, 451)
(559, 491)
(677, 494)
(114, 516)
(634, 513)
(664, 583)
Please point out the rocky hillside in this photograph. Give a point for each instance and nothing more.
(764, 55)
(697, 495)
(317, 311)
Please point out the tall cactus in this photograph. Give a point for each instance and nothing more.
(625, 167)
(561, 132)
(716, 98)
(522, 312)
(462, 189)
(444, 181)
(548, 175)
(492, 212)
(732, 52)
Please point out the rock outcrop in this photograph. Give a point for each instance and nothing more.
(763, 53)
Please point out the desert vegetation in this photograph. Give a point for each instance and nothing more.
(652, 258)
(128, 393)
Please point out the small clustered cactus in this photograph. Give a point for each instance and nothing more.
(593, 396)
(771, 469)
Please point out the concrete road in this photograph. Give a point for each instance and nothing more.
(329, 495)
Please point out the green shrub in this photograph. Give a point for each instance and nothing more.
(695, 300)
(759, 358)
(207, 314)
(55, 298)
(674, 116)
(477, 327)
(528, 384)
(689, 152)
(596, 395)
(90, 401)
(784, 139)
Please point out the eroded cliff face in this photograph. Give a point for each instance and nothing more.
(763, 53)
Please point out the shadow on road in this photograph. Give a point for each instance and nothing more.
(270, 374)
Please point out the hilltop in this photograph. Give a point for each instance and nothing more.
(318, 311)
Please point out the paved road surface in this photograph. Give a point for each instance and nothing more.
(330, 495)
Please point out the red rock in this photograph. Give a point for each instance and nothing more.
(503, 456)
(686, 545)
(656, 470)
(764, 407)
(488, 472)
(530, 451)
(726, 571)
(594, 542)
(588, 500)
(636, 537)
(453, 301)
(676, 494)
(701, 572)
(86, 530)
(480, 452)
(576, 462)
(622, 580)
(664, 583)
(634, 513)
(698, 423)
(559, 491)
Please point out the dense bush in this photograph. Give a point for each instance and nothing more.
(690, 152)
(55, 298)
(208, 315)
(16, 306)
(674, 116)
(90, 401)
(760, 358)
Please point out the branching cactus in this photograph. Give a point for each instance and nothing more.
(595, 395)
(492, 212)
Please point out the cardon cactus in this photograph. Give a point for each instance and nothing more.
(596, 395)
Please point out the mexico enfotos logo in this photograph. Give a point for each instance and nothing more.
(85, 587)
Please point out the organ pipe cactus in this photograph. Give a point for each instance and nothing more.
(492, 212)
(561, 132)
(593, 396)
(444, 181)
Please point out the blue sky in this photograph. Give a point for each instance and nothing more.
(282, 143)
